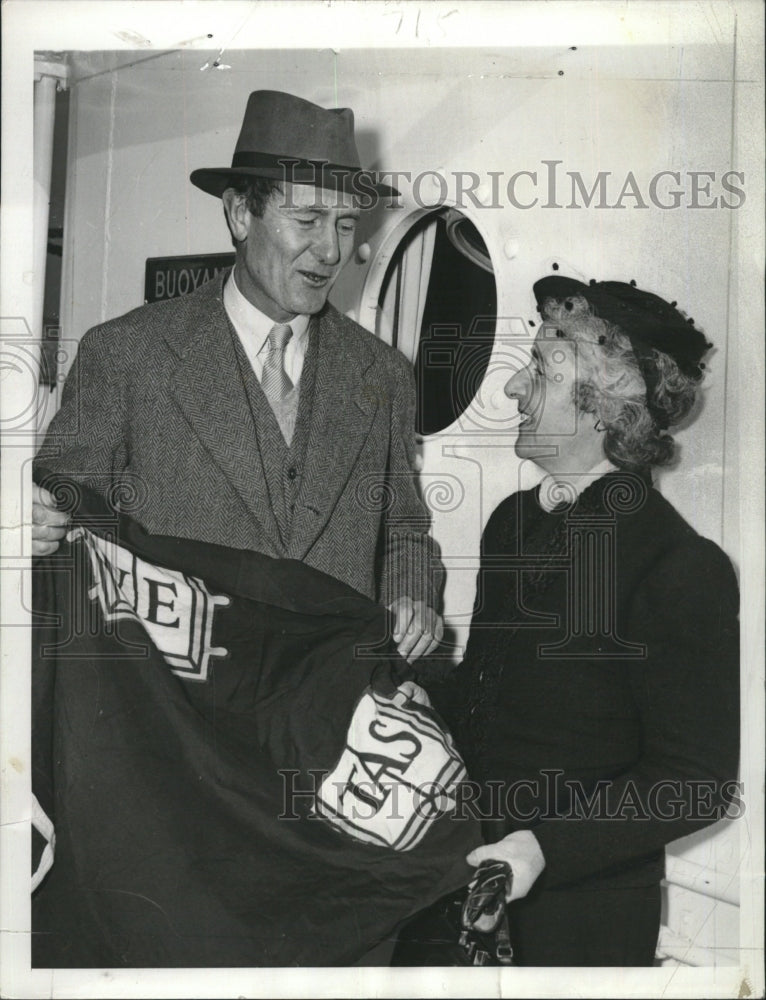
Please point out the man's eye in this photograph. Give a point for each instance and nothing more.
(306, 222)
(347, 228)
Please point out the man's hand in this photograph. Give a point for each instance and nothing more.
(418, 629)
(49, 525)
(522, 852)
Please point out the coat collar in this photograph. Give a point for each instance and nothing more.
(208, 387)
(342, 414)
(556, 489)
(603, 491)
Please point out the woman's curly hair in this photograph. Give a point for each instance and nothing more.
(612, 387)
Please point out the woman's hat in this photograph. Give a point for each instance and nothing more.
(286, 138)
(646, 319)
(649, 322)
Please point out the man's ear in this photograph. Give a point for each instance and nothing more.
(237, 214)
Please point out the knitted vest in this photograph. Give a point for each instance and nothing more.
(283, 465)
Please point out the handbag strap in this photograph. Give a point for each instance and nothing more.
(486, 897)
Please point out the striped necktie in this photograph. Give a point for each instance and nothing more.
(276, 385)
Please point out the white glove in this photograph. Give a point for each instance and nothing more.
(522, 852)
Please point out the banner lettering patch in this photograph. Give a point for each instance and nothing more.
(175, 610)
(396, 775)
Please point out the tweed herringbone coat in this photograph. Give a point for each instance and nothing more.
(157, 413)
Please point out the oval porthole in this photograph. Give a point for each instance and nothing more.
(438, 305)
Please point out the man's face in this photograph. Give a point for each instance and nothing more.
(552, 431)
(295, 251)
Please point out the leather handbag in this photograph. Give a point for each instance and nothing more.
(468, 928)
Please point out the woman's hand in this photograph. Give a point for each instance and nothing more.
(414, 692)
(522, 852)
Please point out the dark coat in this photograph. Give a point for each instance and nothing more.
(603, 648)
(157, 412)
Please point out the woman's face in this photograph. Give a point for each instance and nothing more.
(552, 431)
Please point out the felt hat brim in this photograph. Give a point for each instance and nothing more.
(362, 183)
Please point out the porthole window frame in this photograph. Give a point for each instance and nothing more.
(383, 256)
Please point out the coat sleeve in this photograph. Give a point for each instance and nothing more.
(411, 566)
(451, 690)
(687, 692)
(87, 438)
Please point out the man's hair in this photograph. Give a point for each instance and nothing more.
(611, 387)
(257, 190)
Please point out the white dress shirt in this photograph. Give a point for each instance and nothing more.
(566, 488)
(253, 328)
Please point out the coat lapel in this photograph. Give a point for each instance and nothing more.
(208, 386)
(341, 417)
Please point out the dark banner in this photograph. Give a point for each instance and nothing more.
(232, 776)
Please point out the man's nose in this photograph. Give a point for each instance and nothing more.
(326, 246)
(518, 385)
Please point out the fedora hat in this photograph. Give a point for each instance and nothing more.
(285, 138)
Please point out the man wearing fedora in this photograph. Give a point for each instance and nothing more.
(251, 413)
